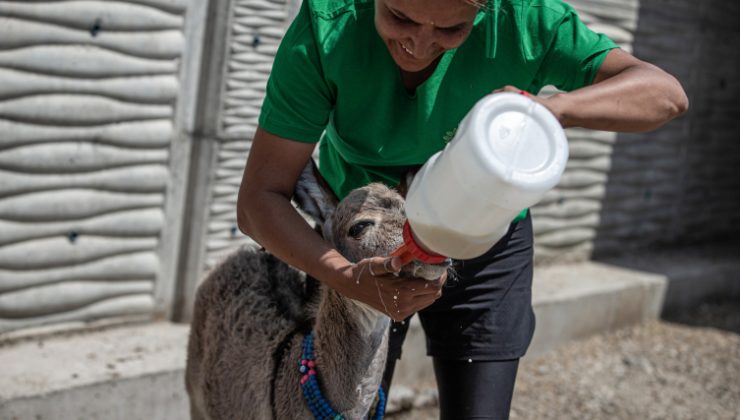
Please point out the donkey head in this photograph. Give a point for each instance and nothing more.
(366, 223)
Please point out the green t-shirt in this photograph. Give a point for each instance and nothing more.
(333, 79)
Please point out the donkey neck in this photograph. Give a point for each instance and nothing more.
(350, 344)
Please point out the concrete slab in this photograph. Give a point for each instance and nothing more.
(132, 372)
(578, 300)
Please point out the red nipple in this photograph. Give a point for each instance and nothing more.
(410, 250)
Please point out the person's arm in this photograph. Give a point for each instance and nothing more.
(627, 95)
(265, 213)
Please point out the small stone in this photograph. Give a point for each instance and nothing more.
(401, 398)
(426, 398)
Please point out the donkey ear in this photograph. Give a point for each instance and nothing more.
(313, 196)
(403, 186)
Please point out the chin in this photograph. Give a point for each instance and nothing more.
(408, 63)
(412, 68)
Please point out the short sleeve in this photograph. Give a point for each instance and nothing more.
(575, 53)
(297, 101)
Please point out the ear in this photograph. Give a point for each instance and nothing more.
(403, 186)
(326, 233)
(313, 196)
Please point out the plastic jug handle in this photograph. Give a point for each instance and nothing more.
(410, 250)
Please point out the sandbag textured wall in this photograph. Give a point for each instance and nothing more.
(568, 218)
(679, 186)
(92, 115)
(670, 187)
(254, 33)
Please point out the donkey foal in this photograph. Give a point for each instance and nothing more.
(252, 312)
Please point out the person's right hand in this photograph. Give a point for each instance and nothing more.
(375, 282)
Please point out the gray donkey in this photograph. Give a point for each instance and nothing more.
(252, 313)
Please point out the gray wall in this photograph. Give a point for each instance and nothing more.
(567, 219)
(95, 114)
(679, 185)
(243, 39)
(672, 187)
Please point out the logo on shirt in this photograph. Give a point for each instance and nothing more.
(449, 135)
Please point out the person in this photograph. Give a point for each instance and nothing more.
(381, 86)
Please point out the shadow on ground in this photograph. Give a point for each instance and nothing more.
(722, 314)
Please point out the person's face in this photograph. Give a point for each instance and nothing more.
(417, 32)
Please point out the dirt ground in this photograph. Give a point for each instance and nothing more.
(684, 367)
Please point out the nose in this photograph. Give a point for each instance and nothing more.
(422, 40)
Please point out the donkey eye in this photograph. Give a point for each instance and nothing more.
(358, 228)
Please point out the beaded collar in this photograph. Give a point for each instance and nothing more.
(319, 406)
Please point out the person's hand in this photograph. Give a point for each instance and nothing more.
(375, 282)
(543, 101)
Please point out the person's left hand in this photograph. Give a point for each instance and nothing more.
(378, 284)
(543, 101)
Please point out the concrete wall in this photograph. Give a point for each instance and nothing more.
(243, 37)
(678, 186)
(567, 219)
(95, 114)
(255, 30)
(673, 186)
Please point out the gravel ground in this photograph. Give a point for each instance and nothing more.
(684, 367)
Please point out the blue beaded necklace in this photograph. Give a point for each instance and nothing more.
(318, 405)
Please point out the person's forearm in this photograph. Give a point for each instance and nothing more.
(271, 220)
(640, 98)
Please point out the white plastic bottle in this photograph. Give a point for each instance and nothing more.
(506, 154)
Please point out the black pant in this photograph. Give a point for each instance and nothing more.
(470, 390)
(480, 327)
